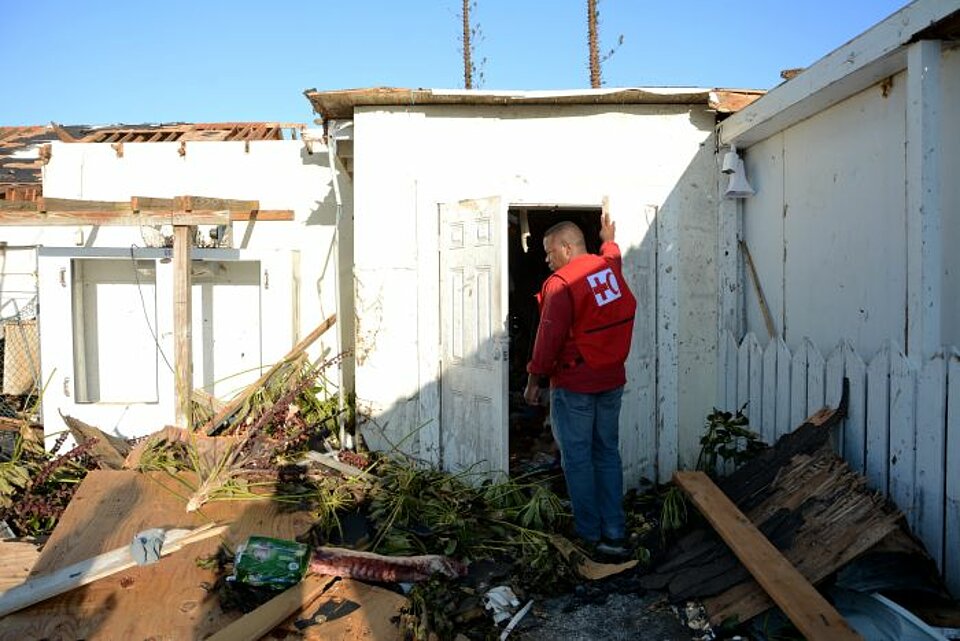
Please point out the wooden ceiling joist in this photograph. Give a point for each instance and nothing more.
(139, 210)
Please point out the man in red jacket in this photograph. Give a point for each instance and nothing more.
(586, 321)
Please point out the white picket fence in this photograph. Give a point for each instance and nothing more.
(902, 429)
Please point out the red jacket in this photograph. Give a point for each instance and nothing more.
(586, 321)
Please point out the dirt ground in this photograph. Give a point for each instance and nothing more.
(607, 617)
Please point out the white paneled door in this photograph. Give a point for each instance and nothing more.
(474, 347)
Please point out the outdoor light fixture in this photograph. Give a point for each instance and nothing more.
(732, 165)
(730, 160)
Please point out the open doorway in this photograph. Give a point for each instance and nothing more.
(531, 445)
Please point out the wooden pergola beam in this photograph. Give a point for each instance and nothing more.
(112, 218)
(140, 210)
(184, 213)
(182, 324)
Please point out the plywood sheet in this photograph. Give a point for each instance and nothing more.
(167, 600)
(17, 558)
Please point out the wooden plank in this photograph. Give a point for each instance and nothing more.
(755, 279)
(234, 404)
(814, 617)
(17, 205)
(168, 600)
(43, 587)
(182, 324)
(931, 447)
(902, 456)
(190, 203)
(144, 203)
(254, 625)
(71, 204)
(951, 559)
(173, 217)
(878, 420)
(784, 361)
(266, 215)
(768, 424)
(838, 526)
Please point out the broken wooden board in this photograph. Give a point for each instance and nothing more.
(817, 511)
(839, 519)
(349, 611)
(169, 599)
(809, 611)
(108, 450)
(253, 625)
(804, 499)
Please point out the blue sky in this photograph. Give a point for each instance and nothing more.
(102, 62)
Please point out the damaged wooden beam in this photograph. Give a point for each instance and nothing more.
(254, 625)
(814, 617)
(109, 451)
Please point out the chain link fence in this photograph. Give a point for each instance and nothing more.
(20, 380)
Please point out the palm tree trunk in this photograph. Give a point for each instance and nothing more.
(467, 48)
(594, 40)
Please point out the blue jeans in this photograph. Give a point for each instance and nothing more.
(587, 429)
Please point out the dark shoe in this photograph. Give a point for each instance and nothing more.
(589, 548)
(614, 549)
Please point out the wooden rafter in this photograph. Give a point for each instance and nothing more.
(221, 131)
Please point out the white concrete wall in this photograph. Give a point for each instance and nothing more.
(408, 160)
(694, 201)
(280, 174)
(826, 229)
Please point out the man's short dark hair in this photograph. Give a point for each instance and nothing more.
(567, 228)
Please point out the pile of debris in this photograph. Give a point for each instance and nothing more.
(260, 522)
